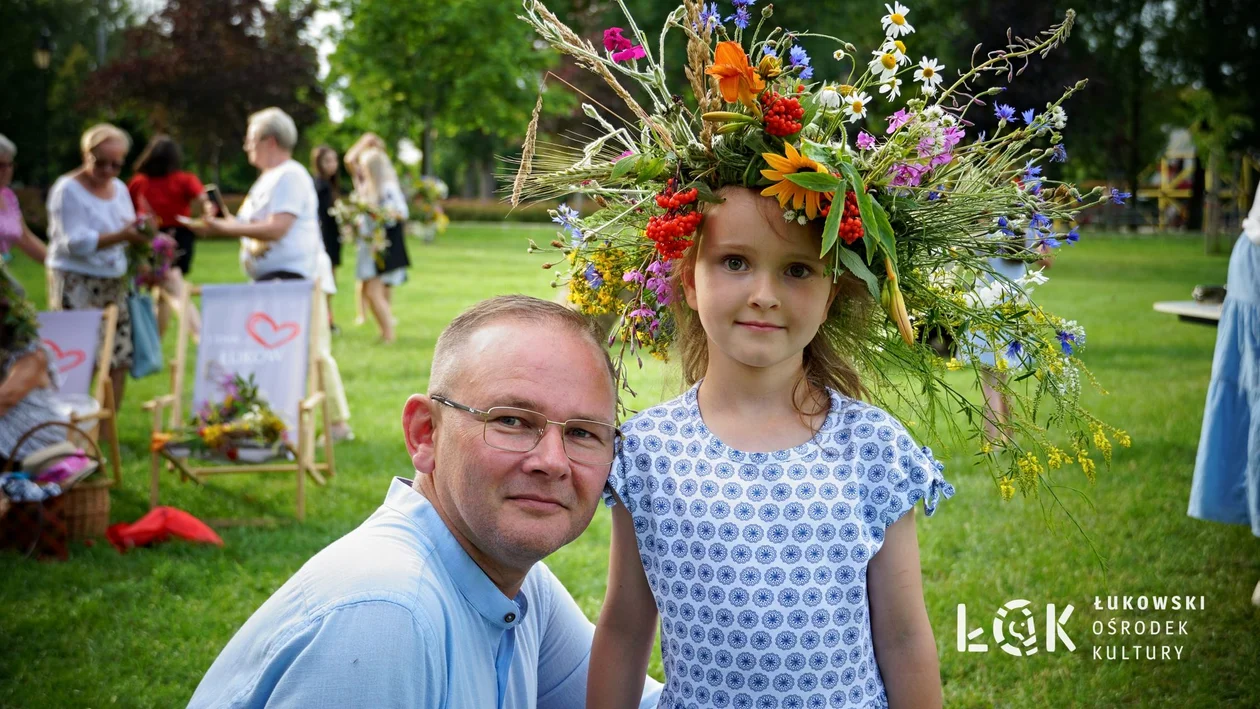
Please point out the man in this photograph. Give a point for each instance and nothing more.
(439, 599)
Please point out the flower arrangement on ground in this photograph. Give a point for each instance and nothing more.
(915, 210)
(241, 419)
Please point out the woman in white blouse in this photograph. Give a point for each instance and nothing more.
(90, 222)
(278, 225)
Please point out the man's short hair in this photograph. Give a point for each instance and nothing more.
(521, 308)
(277, 124)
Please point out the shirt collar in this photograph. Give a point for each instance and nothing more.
(473, 584)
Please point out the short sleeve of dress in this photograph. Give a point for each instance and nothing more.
(192, 186)
(904, 474)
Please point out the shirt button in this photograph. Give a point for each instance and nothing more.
(509, 617)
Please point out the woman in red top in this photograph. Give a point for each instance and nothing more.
(161, 188)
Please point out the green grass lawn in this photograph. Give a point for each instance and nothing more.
(140, 629)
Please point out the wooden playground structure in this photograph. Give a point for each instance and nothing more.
(1229, 184)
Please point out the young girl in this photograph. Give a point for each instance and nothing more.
(381, 272)
(767, 514)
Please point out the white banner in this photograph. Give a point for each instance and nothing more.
(259, 329)
(72, 338)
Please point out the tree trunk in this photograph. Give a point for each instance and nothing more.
(426, 147)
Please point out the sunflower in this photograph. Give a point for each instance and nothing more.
(784, 189)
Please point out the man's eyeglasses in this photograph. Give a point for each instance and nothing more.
(519, 431)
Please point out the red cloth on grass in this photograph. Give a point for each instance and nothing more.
(159, 524)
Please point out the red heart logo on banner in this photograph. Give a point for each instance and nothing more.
(267, 333)
(67, 360)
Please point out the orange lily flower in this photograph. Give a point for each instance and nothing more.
(736, 77)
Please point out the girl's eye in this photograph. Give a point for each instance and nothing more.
(799, 270)
(734, 263)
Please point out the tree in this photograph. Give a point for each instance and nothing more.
(45, 130)
(423, 69)
(201, 67)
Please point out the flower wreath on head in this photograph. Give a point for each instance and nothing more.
(916, 210)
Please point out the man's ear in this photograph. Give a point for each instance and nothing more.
(417, 423)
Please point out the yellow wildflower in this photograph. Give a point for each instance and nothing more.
(1007, 488)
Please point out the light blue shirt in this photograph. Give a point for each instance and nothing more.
(396, 614)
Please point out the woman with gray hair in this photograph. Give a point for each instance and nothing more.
(278, 225)
(90, 222)
(13, 229)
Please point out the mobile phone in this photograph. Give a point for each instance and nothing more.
(212, 192)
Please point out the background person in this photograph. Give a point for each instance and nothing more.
(279, 231)
(162, 188)
(324, 168)
(381, 272)
(13, 229)
(90, 222)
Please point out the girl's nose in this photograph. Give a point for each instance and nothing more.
(764, 294)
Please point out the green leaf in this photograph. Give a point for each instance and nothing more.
(623, 166)
(815, 181)
(705, 193)
(649, 168)
(854, 263)
(818, 153)
(884, 231)
(831, 230)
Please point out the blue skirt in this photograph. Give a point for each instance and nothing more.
(1226, 485)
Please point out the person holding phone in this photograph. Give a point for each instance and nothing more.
(90, 222)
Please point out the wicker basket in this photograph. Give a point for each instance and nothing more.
(85, 508)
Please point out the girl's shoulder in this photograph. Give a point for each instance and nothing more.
(679, 408)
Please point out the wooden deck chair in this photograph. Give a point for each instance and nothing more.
(71, 336)
(263, 329)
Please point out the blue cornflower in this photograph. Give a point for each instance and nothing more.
(798, 57)
(1033, 187)
(1060, 154)
(768, 51)
(1051, 242)
(741, 17)
(1073, 236)
(1029, 116)
(593, 279)
(710, 17)
(1031, 170)
(565, 216)
(1066, 340)
(1004, 112)
(743, 3)
(936, 193)
(1118, 197)
(1004, 225)
(1040, 221)
(1014, 350)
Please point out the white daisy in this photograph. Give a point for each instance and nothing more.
(857, 105)
(829, 97)
(886, 59)
(892, 87)
(838, 54)
(929, 73)
(894, 22)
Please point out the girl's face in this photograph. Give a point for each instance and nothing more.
(328, 163)
(760, 290)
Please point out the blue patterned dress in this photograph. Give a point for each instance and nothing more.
(758, 560)
(1226, 485)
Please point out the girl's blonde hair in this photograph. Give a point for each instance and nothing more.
(827, 358)
(101, 132)
(378, 171)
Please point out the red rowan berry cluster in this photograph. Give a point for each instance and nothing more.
(671, 230)
(782, 114)
(851, 228)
